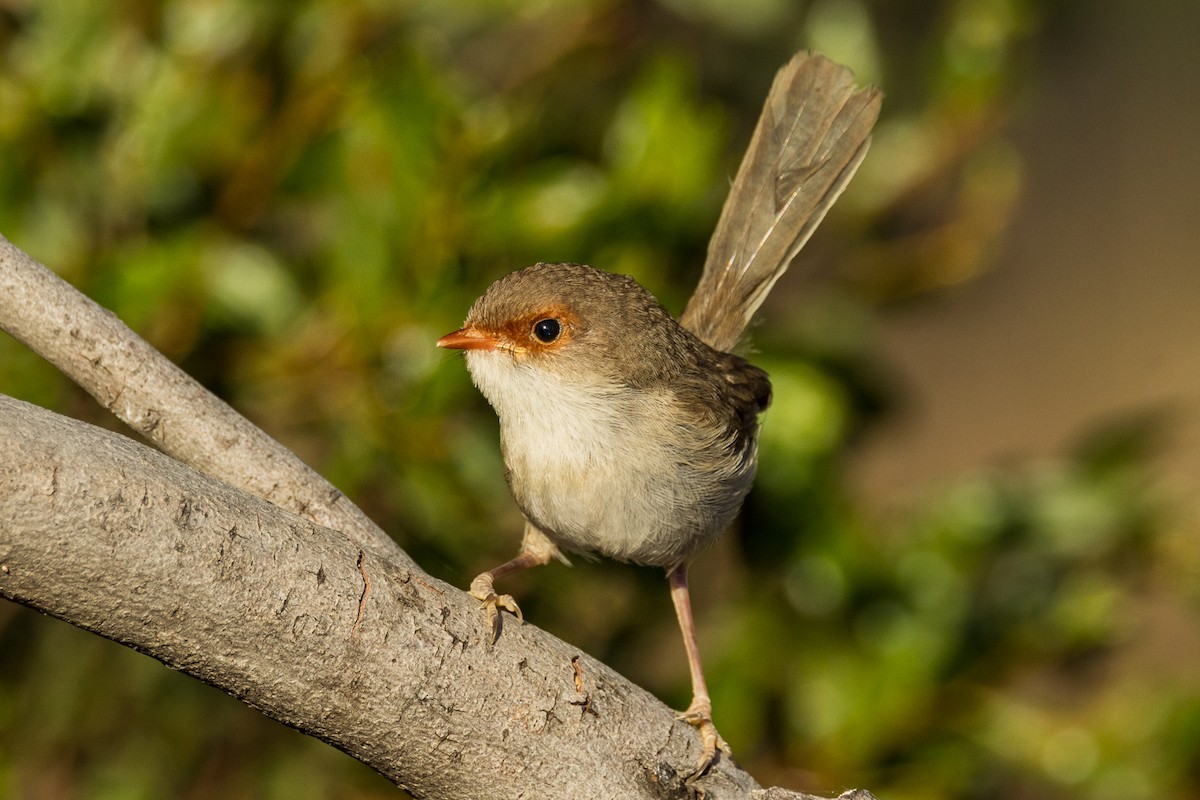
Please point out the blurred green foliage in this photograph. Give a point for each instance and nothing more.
(293, 200)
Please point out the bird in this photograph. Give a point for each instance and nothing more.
(633, 435)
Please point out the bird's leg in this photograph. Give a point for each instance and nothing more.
(699, 713)
(536, 549)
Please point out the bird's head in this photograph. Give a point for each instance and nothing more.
(571, 322)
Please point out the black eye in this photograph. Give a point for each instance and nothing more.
(547, 330)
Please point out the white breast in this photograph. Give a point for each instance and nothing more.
(607, 469)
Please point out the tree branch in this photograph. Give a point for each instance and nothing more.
(125, 542)
(163, 403)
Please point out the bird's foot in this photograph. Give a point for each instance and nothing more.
(699, 715)
(483, 591)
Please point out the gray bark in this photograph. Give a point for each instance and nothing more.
(200, 559)
(163, 403)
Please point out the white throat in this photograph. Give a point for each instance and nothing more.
(539, 411)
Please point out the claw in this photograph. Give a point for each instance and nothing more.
(482, 590)
(699, 715)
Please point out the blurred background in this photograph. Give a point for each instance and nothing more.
(969, 566)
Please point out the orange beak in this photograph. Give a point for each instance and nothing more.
(468, 339)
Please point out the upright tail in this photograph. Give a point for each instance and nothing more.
(813, 133)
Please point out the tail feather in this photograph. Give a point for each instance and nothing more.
(813, 133)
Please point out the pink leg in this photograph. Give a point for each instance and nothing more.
(699, 713)
(536, 549)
